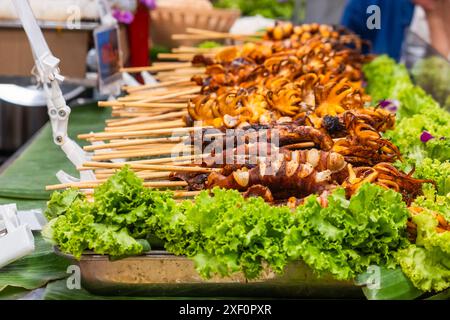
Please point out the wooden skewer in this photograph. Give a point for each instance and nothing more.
(156, 85)
(137, 127)
(141, 148)
(183, 194)
(179, 160)
(176, 56)
(135, 142)
(78, 185)
(135, 154)
(157, 68)
(184, 72)
(154, 92)
(185, 49)
(143, 133)
(165, 105)
(147, 175)
(147, 119)
(181, 36)
(139, 113)
(176, 194)
(151, 167)
(147, 100)
(96, 183)
(206, 32)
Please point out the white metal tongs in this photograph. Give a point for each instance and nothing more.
(47, 73)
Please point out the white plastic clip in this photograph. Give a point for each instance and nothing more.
(148, 78)
(16, 240)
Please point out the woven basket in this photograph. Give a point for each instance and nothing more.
(169, 21)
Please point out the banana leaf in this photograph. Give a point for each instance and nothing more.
(36, 269)
(12, 293)
(393, 285)
(444, 295)
(58, 290)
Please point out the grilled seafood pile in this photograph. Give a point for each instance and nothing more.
(305, 83)
(295, 103)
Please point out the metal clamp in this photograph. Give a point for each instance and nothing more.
(16, 239)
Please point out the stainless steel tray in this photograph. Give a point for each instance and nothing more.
(161, 274)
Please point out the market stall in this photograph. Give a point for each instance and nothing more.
(286, 163)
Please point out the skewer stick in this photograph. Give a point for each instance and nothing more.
(154, 92)
(168, 105)
(151, 99)
(206, 32)
(136, 154)
(96, 183)
(186, 49)
(176, 194)
(135, 142)
(156, 85)
(143, 133)
(146, 119)
(157, 68)
(136, 127)
(182, 194)
(147, 175)
(152, 167)
(183, 160)
(176, 56)
(142, 148)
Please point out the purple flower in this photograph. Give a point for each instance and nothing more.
(389, 105)
(127, 17)
(426, 136)
(151, 4)
(116, 14)
(123, 16)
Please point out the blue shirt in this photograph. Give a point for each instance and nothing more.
(395, 17)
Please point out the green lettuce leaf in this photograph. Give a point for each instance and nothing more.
(124, 202)
(418, 111)
(60, 201)
(225, 233)
(349, 235)
(437, 171)
(427, 262)
(384, 78)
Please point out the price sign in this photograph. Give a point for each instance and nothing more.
(107, 46)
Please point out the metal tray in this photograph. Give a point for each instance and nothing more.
(161, 274)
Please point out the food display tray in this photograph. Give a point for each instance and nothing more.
(161, 274)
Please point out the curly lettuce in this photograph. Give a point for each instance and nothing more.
(437, 171)
(75, 232)
(225, 233)
(385, 78)
(349, 235)
(114, 224)
(418, 112)
(427, 262)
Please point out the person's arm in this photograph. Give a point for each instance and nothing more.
(439, 30)
(446, 18)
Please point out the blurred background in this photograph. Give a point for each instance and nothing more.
(413, 31)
